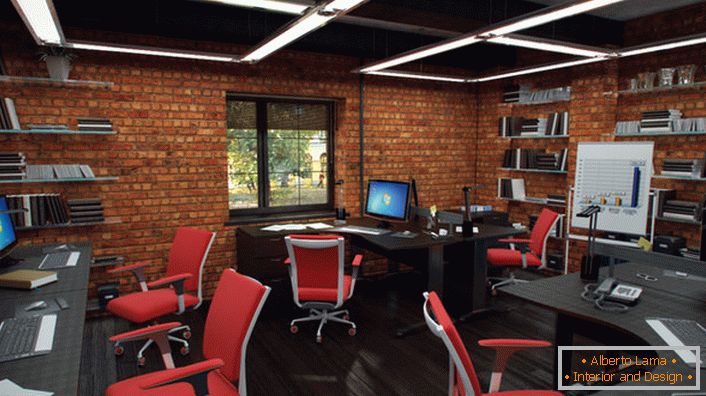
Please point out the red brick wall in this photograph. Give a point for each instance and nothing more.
(170, 149)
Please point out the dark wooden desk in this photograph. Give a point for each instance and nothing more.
(455, 266)
(667, 297)
(59, 370)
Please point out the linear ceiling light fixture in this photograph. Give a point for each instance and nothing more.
(538, 69)
(550, 45)
(269, 5)
(419, 76)
(313, 19)
(41, 20)
(664, 45)
(153, 51)
(539, 17)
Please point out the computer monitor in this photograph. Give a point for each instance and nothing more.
(8, 239)
(387, 201)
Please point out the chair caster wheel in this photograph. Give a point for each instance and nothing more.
(184, 350)
(318, 339)
(119, 351)
(141, 362)
(352, 331)
(186, 335)
(294, 329)
(346, 317)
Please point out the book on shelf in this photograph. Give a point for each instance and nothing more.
(683, 210)
(511, 188)
(86, 210)
(557, 124)
(556, 199)
(13, 166)
(8, 114)
(684, 167)
(38, 210)
(95, 124)
(40, 172)
(659, 120)
(50, 127)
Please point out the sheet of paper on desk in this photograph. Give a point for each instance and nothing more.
(285, 227)
(319, 226)
(7, 387)
(273, 227)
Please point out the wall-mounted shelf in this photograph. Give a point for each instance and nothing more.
(676, 220)
(663, 89)
(56, 82)
(54, 132)
(535, 201)
(536, 137)
(67, 180)
(559, 172)
(107, 221)
(687, 178)
(651, 134)
(544, 102)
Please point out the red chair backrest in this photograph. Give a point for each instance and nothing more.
(231, 317)
(188, 254)
(541, 229)
(317, 260)
(443, 327)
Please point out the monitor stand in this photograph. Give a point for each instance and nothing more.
(385, 225)
(8, 261)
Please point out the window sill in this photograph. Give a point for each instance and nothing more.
(269, 218)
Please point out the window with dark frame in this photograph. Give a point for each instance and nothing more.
(279, 155)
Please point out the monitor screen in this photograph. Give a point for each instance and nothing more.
(387, 199)
(7, 230)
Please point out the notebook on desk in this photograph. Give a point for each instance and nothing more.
(27, 279)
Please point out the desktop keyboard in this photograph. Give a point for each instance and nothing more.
(363, 230)
(60, 260)
(677, 332)
(24, 337)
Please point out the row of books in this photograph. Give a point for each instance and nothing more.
(669, 207)
(511, 188)
(535, 159)
(522, 94)
(8, 115)
(12, 166)
(684, 167)
(659, 120)
(37, 210)
(557, 124)
(47, 172)
(95, 124)
(677, 125)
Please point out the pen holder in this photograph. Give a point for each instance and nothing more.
(467, 228)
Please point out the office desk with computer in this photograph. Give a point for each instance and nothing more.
(41, 334)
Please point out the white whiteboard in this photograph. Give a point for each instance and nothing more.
(616, 177)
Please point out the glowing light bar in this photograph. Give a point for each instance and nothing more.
(538, 69)
(549, 45)
(664, 45)
(419, 76)
(270, 5)
(312, 20)
(41, 20)
(420, 53)
(152, 51)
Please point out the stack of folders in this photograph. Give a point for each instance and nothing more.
(95, 124)
(510, 126)
(659, 120)
(683, 167)
(627, 127)
(89, 210)
(682, 210)
(557, 124)
(511, 188)
(13, 166)
(535, 159)
(533, 127)
(8, 115)
(37, 210)
(513, 93)
(556, 199)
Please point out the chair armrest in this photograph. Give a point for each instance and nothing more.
(170, 280)
(145, 332)
(513, 343)
(504, 348)
(178, 282)
(515, 240)
(287, 261)
(195, 374)
(138, 269)
(357, 260)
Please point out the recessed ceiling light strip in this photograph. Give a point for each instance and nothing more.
(286, 7)
(541, 44)
(152, 51)
(41, 20)
(419, 76)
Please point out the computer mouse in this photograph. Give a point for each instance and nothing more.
(36, 306)
(407, 232)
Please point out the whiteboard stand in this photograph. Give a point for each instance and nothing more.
(577, 237)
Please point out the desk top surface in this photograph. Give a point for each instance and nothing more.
(667, 297)
(420, 241)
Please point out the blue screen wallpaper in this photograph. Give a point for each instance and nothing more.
(7, 233)
(387, 199)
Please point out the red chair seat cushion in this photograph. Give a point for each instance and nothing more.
(525, 393)
(325, 294)
(146, 306)
(217, 385)
(511, 258)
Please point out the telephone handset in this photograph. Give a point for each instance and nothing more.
(615, 291)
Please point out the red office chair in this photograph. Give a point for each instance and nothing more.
(184, 271)
(462, 376)
(532, 251)
(234, 310)
(319, 284)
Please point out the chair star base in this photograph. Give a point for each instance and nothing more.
(324, 316)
